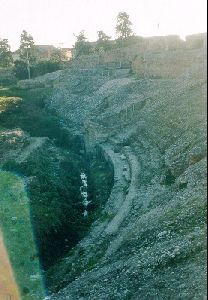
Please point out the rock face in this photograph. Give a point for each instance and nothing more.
(149, 242)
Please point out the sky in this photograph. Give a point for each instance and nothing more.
(55, 22)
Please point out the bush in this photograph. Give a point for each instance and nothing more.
(7, 76)
(37, 69)
(20, 69)
(82, 48)
(44, 67)
(128, 42)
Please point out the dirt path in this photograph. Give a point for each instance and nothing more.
(124, 211)
(132, 193)
(8, 286)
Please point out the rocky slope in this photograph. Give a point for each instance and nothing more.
(149, 242)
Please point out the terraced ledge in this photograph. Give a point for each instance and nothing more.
(125, 207)
(117, 196)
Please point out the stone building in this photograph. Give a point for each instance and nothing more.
(68, 53)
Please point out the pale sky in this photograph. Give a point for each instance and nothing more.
(55, 21)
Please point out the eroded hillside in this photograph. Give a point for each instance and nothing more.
(150, 240)
(139, 114)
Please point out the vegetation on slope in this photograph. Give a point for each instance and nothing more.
(52, 171)
(15, 221)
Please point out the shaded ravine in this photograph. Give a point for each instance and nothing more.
(51, 161)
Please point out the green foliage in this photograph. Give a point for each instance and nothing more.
(46, 66)
(54, 173)
(31, 116)
(28, 66)
(27, 51)
(102, 36)
(37, 69)
(7, 76)
(100, 181)
(20, 69)
(103, 42)
(81, 37)
(82, 47)
(123, 27)
(53, 202)
(57, 56)
(27, 47)
(54, 194)
(54, 190)
(17, 230)
(5, 54)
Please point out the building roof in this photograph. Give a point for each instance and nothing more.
(67, 49)
(43, 48)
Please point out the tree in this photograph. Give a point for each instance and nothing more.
(57, 56)
(81, 38)
(123, 27)
(27, 50)
(20, 69)
(5, 54)
(103, 42)
(81, 45)
(102, 37)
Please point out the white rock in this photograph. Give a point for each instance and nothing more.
(85, 213)
(84, 182)
(86, 203)
(83, 176)
(84, 194)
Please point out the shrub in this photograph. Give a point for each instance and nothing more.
(20, 69)
(44, 67)
(37, 69)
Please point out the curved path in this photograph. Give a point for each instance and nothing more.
(116, 224)
(132, 193)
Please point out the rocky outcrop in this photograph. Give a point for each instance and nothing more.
(149, 241)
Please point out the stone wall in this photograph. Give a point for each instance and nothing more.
(169, 64)
(196, 41)
(150, 54)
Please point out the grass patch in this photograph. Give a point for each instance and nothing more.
(18, 236)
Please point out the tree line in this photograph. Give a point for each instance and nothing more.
(104, 42)
(28, 65)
